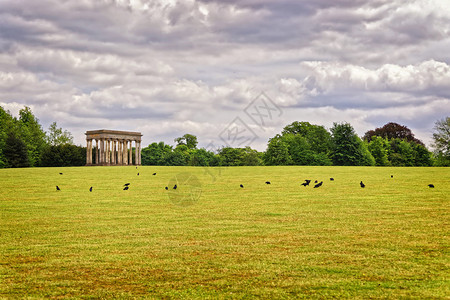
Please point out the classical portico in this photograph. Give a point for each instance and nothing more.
(113, 147)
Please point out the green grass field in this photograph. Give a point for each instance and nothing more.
(212, 239)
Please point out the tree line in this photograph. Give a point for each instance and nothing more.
(23, 143)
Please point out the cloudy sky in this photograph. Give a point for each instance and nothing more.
(231, 72)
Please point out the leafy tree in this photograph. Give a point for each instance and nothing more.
(56, 136)
(392, 131)
(401, 153)
(441, 142)
(153, 154)
(366, 157)
(421, 156)
(63, 156)
(277, 152)
(201, 157)
(175, 158)
(6, 125)
(299, 149)
(379, 148)
(318, 138)
(15, 152)
(251, 157)
(231, 156)
(32, 135)
(188, 139)
(348, 149)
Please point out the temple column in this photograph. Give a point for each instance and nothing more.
(136, 159)
(113, 152)
(125, 152)
(108, 151)
(88, 152)
(130, 154)
(138, 156)
(96, 152)
(120, 153)
(102, 152)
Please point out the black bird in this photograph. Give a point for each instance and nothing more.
(154, 174)
(318, 185)
(167, 188)
(90, 190)
(126, 184)
(267, 182)
(125, 188)
(60, 173)
(241, 186)
(331, 179)
(138, 174)
(57, 188)
(431, 185)
(362, 184)
(315, 181)
(392, 176)
(306, 183)
(175, 187)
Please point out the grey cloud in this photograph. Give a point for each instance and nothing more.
(195, 65)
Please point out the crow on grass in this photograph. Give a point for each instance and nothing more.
(318, 185)
(362, 184)
(306, 183)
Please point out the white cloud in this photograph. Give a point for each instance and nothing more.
(165, 67)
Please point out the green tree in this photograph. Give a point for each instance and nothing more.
(277, 152)
(421, 156)
(188, 139)
(63, 156)
(347, 148)
(231, 156)
(441, 142)
(56, 136)
(32, 135)
(401, 153)
(379, 148)
(251, 157)
(299, 149)
(317, 137)
(15, 152)
(6, 126)
(153, 154)
(201, 157)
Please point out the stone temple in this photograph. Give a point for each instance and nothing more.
(113, 148)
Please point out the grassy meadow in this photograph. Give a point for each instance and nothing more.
(211, 239)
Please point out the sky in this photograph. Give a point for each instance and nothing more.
(233, 73)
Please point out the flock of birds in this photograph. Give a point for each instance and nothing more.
(126, 186)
